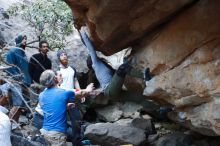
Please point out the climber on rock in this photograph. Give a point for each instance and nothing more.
(111, 83)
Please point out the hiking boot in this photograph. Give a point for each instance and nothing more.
(147, 75)
(124, 68)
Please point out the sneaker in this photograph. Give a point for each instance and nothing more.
(124, 68)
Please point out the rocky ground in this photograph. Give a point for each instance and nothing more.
(119, 124)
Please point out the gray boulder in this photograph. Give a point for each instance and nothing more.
(131, 109)
(109, 113)
(111, 134)
(144, 124)
(21, 141)
(174, 139)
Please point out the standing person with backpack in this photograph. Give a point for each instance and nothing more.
(17, 58)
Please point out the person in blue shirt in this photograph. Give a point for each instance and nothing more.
(17, 58)
(54, 102)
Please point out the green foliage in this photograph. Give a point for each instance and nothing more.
(50, 18)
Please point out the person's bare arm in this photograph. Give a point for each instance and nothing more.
(85, 92)
(76, 84)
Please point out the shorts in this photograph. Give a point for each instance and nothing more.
(54, 138)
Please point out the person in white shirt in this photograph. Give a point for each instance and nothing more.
(70, 82)
(68, 73)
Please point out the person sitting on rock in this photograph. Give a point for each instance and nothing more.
(17, 58)
(12, 94)
(111, 83)
(54, 101)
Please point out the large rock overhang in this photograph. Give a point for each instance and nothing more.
(115, 25)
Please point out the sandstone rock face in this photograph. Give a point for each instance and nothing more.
(185, 56)
(116, 24)
(178, 40)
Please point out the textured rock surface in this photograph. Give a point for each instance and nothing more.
(18, 140)
(131, 110)
(110, 134)
(175, 139)
(116, 24)
(146, 125)
(110, 113)
(186, 61)
(115, 111)
(183, 53)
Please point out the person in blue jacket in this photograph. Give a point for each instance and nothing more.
(17, 58)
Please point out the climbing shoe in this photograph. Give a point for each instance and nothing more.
(147, 75)
(124, 68)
